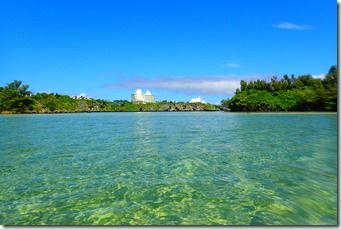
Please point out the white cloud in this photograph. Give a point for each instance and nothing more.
(232, 65)
(47, 92)
(83, 95)
(287, 25)
(187, 85)
(197, 100)
(320, 76)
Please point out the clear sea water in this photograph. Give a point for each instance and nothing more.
(182, 168)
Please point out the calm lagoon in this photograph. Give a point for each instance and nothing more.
(181, 168)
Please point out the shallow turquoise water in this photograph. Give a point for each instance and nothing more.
(196, 168)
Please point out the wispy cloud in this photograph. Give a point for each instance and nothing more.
(214, 85)
(47, 92)
(320, 76)
(82, 95)
(287, 25)
(231, 65)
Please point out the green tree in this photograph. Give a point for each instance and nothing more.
(330, 83)
(16, 98)
(243, 85)
(302, 93)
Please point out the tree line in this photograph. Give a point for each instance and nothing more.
(16, 98)
(303, 93)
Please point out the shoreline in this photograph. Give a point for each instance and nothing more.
(285, 112)
(176, 111)
(83, 112)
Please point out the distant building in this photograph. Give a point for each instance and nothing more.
(139, 97)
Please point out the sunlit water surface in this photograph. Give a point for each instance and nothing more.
(183, 168)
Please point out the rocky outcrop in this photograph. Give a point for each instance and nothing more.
(184, 107)
(93, 106)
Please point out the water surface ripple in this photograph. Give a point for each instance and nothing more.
(182, 168)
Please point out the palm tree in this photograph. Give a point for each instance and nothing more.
(16, 98)
(15, 89)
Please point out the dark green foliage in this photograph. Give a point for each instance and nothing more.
(16, 98)
(330, 85)
(121, 102)
(303, 93)
(54, 103)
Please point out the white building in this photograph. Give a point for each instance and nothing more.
(139, 97)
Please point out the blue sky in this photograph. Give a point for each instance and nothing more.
(177, 49)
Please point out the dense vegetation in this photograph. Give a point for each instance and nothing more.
(15, 98)
(303, 93)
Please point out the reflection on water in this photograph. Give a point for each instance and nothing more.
(191, 168)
